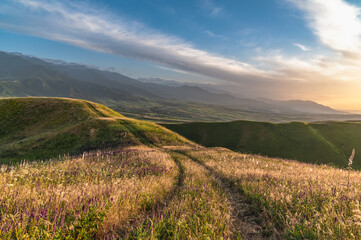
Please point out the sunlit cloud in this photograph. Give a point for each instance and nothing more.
(335, 22)
(302, 47)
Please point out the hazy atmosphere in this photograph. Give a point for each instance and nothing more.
(278, 49)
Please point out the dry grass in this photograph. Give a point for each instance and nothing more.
(82, 197)
(301, 200)
(199, 210)
(150, 193)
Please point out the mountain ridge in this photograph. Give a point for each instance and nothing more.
(22, 68)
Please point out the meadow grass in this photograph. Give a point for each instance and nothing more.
(199, 209)
(81, 198)
(176, 193)
(297, 200)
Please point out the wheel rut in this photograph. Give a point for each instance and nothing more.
(243, 223)
(162, 203)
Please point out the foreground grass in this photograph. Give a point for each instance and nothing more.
(177, 193)
(82, 198)
(199, 210)
(299, 201)
(130, 193)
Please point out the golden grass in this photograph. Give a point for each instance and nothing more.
(79, 198)
(151, 193)
(301, 200)
(199, 210)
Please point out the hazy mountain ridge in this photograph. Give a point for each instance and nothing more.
(61, 79)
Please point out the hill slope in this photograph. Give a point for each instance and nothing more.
(181, 191)
(323, 142)
(40, 128)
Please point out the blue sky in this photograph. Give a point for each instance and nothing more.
(237, 29)
(286, 49)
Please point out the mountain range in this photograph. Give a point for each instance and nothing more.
(22, 75)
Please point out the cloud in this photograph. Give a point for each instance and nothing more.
(213, 35)
(335, 22)
(209, 33)
(101, 31)
(211, 8)
(302, 47)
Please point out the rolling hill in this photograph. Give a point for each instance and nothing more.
(319, 142)
(138, 180)
(41, 128)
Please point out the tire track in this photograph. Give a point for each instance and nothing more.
(162, 203)
(243, 223)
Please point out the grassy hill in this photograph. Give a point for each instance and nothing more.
(322, 142)
(138, 180)
(41, 128)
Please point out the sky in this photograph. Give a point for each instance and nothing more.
(279, 49)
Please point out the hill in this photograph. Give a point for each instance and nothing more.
(319, 142)
(138, 180)
(40, 128)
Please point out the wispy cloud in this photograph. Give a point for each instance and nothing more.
(209, 33)
(335, 22)
(79, 24)
(213, 35)
(211, 8)
(88, 28)
(302, 47)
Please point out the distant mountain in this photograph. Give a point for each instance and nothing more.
(198, 93)
(213, 88)
(305, 106)
(169, 83)
(22, 75)
(62, 71)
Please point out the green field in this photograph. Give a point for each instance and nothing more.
(320, 142)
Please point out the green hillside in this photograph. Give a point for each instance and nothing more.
(40, 128)
(142, 181)
(323, 142)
